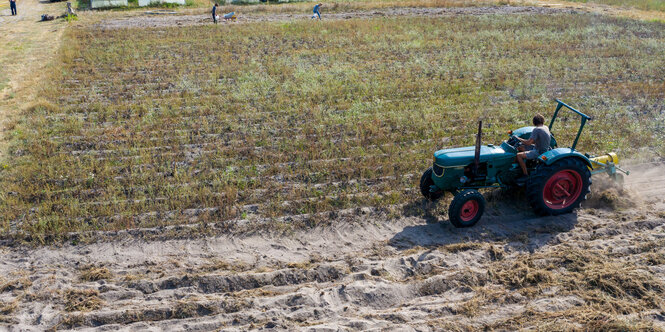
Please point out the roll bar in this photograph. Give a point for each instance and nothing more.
(585, 117)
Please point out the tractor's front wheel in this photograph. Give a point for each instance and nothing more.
(426, 184)
(558, 188)
(466, 208)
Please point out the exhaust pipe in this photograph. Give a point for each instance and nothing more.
(476, 157)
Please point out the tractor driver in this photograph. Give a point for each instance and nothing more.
(537, 144)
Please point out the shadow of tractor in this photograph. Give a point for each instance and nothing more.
(508, 219)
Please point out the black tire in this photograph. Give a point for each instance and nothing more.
(466, 208)
(425, 183)
(558, 188)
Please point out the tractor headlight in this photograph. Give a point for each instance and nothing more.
(438, 170)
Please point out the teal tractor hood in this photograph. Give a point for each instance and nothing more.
(464, 156)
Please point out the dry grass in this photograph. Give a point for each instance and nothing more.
(521, 274)
(6, 308)
(587, 318)
(224, 266)
(654, 258)
(21, 283)
(609, 287)
(309, 264)
(462, 246)
(496, 252)
(94, 273)
(82, 300)
(471, 307)
(187, 309)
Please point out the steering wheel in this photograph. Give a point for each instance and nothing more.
(513, 141)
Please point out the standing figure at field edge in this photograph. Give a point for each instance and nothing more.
(316, 11)
(12, 6)
(70, 11)
(214, 13)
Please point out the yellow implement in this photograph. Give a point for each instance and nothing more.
(607, 164)
(602, 160)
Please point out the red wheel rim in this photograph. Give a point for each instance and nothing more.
(562, 189)
(469, 210)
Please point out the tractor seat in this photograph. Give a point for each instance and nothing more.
(531, 163)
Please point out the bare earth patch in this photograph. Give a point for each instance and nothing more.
(598, 268)
(154, 21)
(592, 7)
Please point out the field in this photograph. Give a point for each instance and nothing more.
(285, 119)
(173, 174)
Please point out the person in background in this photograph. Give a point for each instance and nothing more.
(70, 11)
(12, 6)
(214, 13)
(316, 11)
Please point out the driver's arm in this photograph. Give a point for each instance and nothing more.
(529, 141)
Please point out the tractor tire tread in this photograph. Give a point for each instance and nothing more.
(536, 182)
(425, 183)
(458, 202)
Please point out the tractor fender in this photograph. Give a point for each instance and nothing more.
(552, 156)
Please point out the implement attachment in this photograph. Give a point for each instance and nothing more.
(607, 164)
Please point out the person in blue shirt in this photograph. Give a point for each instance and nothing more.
(12, 6)
(214, 13)
(316, 11)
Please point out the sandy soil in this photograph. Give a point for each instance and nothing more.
(417, 272)
(152, 20)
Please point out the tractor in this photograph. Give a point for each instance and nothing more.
(558, 180)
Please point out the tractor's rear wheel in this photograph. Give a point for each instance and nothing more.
(558, 188)
(466, 208)
(426, 184)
